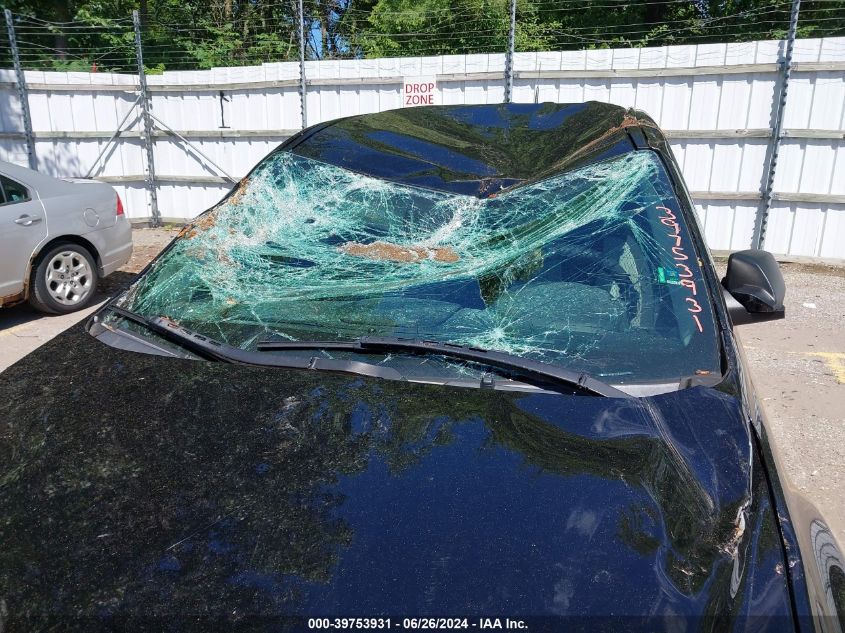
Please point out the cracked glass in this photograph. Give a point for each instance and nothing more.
(591, 269)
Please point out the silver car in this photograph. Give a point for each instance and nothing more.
(58, 237)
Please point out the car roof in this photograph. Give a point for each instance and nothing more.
(472, 149)
(43, 183)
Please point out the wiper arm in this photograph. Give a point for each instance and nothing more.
(510, 362)
(211, 349)
(166, 328)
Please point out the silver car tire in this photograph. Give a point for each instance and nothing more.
(64, 280)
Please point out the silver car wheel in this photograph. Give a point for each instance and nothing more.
(69, 277)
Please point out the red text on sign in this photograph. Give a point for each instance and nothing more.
(421, 93)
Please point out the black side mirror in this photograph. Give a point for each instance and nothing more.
(754, 287)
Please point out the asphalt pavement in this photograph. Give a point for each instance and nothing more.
(798, 370)
(797, 365)
(22, 329)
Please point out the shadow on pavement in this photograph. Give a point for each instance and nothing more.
(117, 282)
(23, 313)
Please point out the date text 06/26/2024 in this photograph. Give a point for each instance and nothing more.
(426, 624)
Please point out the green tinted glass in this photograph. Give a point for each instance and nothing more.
(591, 269)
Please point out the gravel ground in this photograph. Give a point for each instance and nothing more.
(146, 244)
(798, 369)
(797, 364)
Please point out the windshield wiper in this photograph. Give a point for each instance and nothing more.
(208, 348)
(211, 349)
(168, 329)
(523, 367)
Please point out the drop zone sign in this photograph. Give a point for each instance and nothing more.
(419, 91)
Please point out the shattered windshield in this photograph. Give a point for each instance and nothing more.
(591, 269)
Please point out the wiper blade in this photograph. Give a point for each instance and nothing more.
(166, 328)
(502, 360)
(211, 349)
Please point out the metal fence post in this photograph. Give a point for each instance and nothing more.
(147, 137)
(302, 64)
(509, 54)
(23, 95)
(779, 107)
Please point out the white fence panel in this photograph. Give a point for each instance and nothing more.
(713, 100)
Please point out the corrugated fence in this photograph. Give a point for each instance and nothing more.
(715, 102)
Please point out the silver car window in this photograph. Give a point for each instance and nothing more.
(12, 191)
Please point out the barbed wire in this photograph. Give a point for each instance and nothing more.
(456, 27)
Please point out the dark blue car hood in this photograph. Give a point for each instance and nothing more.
(137, 488)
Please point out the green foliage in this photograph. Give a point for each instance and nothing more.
(83, 34)
(432, 27)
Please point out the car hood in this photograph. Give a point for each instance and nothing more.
(137, 486)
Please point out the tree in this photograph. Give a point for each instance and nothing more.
(79, 34)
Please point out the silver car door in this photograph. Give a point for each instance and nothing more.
(23, 226)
